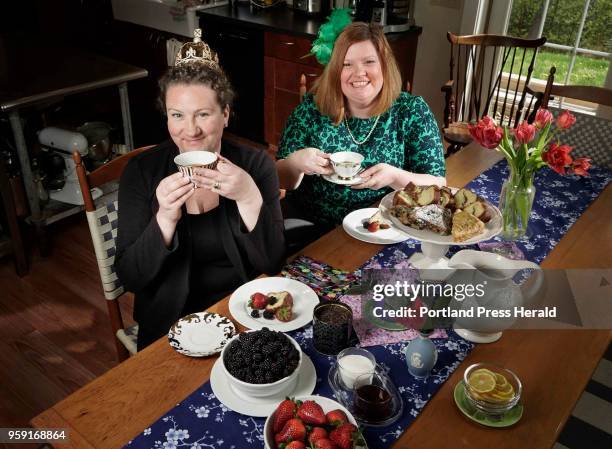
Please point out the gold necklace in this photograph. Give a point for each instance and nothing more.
(366, 137)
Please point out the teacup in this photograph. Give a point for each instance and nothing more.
(346, 164)
(186, 162)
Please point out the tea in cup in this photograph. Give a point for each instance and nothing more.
(189, 160)
(372, 398)
(346, 164)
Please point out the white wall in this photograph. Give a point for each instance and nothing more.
(433, 54)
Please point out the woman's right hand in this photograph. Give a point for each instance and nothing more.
(311, 161)
(171, 193)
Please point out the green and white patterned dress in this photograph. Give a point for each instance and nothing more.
(406, 136)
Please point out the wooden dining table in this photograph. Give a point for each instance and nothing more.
(554, 365)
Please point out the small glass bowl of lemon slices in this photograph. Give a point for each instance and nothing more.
(491, 389)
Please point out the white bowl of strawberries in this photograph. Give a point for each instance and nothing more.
(312, 422)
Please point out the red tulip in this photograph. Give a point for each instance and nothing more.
(581, 165)
(557, 157)
(486, 133)
(543, 117)
(565, 119)
(524, 132)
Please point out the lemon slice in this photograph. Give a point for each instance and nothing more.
(500, 379)
(495, 397)
(506, 389)
(484, 370)
(482, 382)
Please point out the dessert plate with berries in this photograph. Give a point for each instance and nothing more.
(313, 421)
(278, 303)
(368, 225)
(201, 334)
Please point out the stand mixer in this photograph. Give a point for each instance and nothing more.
(64, 142)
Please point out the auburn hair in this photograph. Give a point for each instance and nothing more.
(327, 89)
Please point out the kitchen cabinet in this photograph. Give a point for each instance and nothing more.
(284, 64)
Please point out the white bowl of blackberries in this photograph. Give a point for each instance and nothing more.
(262, 363)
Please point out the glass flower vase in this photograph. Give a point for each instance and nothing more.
(515, 203)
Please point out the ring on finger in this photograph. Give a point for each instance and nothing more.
(217, 185)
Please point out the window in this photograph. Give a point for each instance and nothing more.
(579, 38)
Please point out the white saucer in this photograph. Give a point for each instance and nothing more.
(343, 182)
(200, 334)
(353, 225)
(307, 379)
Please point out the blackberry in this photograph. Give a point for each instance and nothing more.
(272, 300)
(255, 313)
(258, 357)
(268, 315)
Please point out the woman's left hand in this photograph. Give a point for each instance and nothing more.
(228, 180)
(377, 177)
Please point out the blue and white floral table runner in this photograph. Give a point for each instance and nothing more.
(201, 421)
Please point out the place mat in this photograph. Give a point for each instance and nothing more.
(370, 335)
(559, 202)
(329, 283)
(201, 421)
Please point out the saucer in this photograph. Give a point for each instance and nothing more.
(260, 407)
(200, 334)
(508, 419)
(345, 397)
(343, 181)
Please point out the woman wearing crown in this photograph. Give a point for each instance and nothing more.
(356, 105)
(183, 242)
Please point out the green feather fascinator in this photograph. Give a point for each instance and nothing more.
(328, 33)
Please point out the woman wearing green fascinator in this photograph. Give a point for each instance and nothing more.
(355, 105)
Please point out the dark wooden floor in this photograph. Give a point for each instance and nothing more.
(54, 331)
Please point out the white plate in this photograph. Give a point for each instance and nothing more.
(353, 225)
(307, 379)
(492, 228)
(201, 334)
(343, 182)
(326, 404)
(304, 302)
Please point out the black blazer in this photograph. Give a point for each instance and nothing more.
(158, 275)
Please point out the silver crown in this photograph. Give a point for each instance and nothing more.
(197, 51)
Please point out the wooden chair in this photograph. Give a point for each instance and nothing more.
(590, 135)
(102, 219)
(478, 86)
(14, 243)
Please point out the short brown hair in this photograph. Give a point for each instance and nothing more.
(195, 73)
(327, 89)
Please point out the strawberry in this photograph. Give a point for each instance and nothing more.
(373, 226)
(293, 445)
(311, 413)
(258, 301)
(324, 443)
(284, 412)
(348, 427)
(336, 418)
(343, 436)
(284, 314)
(293, 429)
(316, 433)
